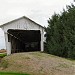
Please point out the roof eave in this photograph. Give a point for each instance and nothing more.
(18, 19)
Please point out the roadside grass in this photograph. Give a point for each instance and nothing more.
(36, 63)
(3, 55)
(4, 64)
(11, 73)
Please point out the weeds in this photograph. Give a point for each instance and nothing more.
(4, 64)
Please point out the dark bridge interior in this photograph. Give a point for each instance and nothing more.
(24, 40)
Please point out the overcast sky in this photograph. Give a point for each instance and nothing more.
(37, 10)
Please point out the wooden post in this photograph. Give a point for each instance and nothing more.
(42, 43)
(8, 44)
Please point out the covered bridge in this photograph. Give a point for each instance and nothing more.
(23, 35)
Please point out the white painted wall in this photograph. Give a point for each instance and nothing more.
(22, 24)
(8, 44)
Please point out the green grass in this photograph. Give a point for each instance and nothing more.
(3, 55)
(11, 73)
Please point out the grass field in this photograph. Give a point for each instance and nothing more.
(10, 73)
(37, 63)
(2, 55)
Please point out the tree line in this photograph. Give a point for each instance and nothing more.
(60, 33)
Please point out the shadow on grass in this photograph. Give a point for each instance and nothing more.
(70, 59)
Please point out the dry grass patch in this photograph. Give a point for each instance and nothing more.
(37, 63)
(3, 51)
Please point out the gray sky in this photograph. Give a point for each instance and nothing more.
(37, 10)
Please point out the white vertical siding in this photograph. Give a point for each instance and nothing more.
(22, 24)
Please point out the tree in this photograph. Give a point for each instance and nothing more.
(60, 33)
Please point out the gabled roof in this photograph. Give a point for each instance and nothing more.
(19, 19)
